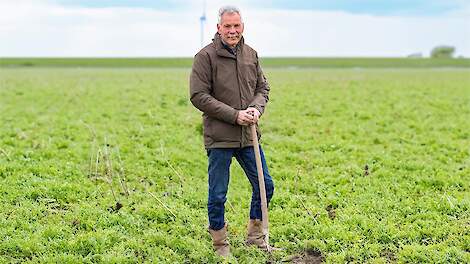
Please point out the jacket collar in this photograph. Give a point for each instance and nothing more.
(222, 51)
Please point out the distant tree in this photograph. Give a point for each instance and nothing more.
(443, 52)
(415, 55)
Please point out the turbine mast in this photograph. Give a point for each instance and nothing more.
(203, 20)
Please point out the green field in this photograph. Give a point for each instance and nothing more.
(267, 62)
(370, 165)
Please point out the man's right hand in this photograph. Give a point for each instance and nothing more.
(245, 117)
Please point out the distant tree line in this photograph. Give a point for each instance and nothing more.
(443, 52)
(438, 52)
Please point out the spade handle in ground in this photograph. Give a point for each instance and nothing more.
(262, 188)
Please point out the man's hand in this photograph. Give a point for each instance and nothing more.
(256, 114)
(245, 117)
(248, 117)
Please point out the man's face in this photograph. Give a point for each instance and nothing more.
(230, 28)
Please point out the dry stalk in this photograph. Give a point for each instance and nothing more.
(93, 133)
(108, 169)
(296, 178)
(103, 164)
(92, 150)
(98, 153)
(231, 206)
(308, 210)
(176, 172)
(5, 153)
(171, 166)
(162, 204)
(122, 180)
(90, 167)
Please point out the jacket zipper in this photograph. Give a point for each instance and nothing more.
(240, 96)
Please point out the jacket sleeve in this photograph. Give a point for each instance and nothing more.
(261, 91)
(200, 85)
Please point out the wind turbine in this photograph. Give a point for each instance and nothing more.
(203, 19)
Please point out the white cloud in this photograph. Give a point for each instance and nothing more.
(45, 28)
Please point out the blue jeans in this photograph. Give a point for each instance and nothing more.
(219, 174)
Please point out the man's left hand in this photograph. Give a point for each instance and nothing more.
(256, 114)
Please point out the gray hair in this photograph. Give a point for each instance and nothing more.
(229, 10)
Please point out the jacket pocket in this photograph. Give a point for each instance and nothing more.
(252, 86)
(250, 71)
(221, 131)
(206, 125)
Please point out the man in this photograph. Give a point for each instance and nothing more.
(228, 86)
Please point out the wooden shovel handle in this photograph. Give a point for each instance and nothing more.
(262, 188)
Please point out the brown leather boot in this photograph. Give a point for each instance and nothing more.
(256, 235)
(220, 241)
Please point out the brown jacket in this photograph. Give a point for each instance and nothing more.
(220, 85)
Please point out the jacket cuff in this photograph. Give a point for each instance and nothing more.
(234, 116)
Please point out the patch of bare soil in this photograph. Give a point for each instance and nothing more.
(310, 256)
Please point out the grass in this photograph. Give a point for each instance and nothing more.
(267, 62)
(370, 165)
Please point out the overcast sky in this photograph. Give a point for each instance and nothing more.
(170, 28)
